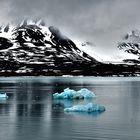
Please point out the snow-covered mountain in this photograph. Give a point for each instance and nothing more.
(89, 48)
(34, 47)
(131, 44)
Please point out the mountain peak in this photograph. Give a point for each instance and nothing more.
(133, 37)
(33, 46)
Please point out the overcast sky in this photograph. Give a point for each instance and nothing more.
(102, 22)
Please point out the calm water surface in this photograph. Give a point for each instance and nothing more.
(30, 113)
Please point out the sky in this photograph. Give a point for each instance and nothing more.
(102, 22)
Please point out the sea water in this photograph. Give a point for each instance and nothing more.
(30, 112)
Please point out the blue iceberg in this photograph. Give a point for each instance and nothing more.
(69, 103)
(72, 94)
(3, 95)
(89, 108)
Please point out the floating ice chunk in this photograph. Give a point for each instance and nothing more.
(3, 95)
(72, 94)
(90, 107)
(86, 93)
(67, 94)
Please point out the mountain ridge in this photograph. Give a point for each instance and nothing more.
(32, 44)
(32, 48)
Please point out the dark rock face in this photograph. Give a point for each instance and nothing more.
(132, 48)
(29, 33)
(5, 43)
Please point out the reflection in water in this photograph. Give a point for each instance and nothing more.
(84, 114)
(31, 113)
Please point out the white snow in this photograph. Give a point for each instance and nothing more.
(116, 57)
(87, 48)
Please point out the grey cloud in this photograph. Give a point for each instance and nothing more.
(100, 21)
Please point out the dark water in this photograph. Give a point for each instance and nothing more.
(31, 114)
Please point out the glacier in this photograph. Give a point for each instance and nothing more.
(72, 94)
(89, 108)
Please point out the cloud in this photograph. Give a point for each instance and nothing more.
(103, 22)
(5, 9)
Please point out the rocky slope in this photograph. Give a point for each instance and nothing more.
(35, 48)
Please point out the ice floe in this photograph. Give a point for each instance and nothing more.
(90, 107)
(72, 94)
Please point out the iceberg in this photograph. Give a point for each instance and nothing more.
(3, 95)
(69, 103)
(72, 94)
(89, 108)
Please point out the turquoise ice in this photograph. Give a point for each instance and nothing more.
(72, 94)
(3, 95)
(90, 107)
